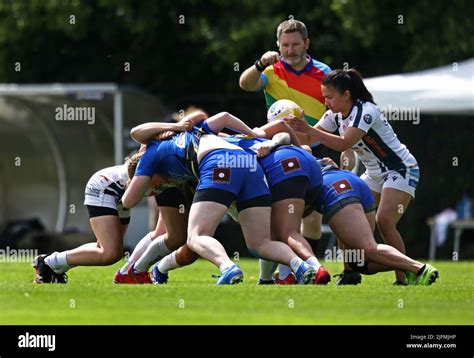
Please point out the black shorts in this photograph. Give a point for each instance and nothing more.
(171, 197)
(225, 197)
(96, 211)
(176, 196)
(292, 188)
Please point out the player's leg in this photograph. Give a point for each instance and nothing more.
(255, 223)
(208, 208)
(142, 245)
(184, 256)
(393, 204)
(348, 276)
(176, 223)
(351, 227)
(311, 226)
(106, 251)
(286, 223)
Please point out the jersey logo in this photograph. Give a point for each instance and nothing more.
(342, 186)
(180, 141)
(412, 183)
(221, 175)
(290, 164)
(367, 118)
(394, 177)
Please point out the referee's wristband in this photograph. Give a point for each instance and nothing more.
(259, 66)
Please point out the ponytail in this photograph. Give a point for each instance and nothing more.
(350, 80)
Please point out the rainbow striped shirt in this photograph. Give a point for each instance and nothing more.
(281, 81)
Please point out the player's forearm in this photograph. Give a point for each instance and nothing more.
(281, 139)
(146, 132)
(196, 117)
(348, 159)
(329, 140)
(249, 80)
(130, 199)
(135, 191)
(226, 120)
(271, 129)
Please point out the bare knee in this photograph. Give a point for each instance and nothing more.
(185, 256)
(281, 235)
(191, 241)
(370, 251)
(110, 257)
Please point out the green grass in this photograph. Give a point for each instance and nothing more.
(192, 297)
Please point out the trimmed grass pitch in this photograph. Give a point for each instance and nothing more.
(191, 297)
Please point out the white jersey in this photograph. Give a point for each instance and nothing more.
(379, 149)
(106, 187)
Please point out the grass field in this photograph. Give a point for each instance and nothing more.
(191, 297)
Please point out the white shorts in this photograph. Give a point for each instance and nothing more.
(96, 197)
(394, 180)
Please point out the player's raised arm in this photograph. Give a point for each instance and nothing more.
(251, 80)
(272, 128)
(223, 120)
(146, 132)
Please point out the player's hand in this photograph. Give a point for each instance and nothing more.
(269, 58)
(263, 149)
(298, 124)
(165, 135)
(258, 132)
(329, 161)
(184, 125)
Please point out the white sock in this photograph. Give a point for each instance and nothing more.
(314, 263)
(225, 265)
(266, 269)
(283, 271)
(58, 262)
(137, 253)
(168, 263)
(155, 251)
(295, 263)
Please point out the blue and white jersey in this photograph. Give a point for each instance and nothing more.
(169, 158)
(247, 143)
(174, 158)
(379, 149)
(326, 167)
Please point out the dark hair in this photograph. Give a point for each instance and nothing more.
(351, 80)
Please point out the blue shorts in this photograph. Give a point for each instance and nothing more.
(341, 188)
(288, 162)
(234, 171)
